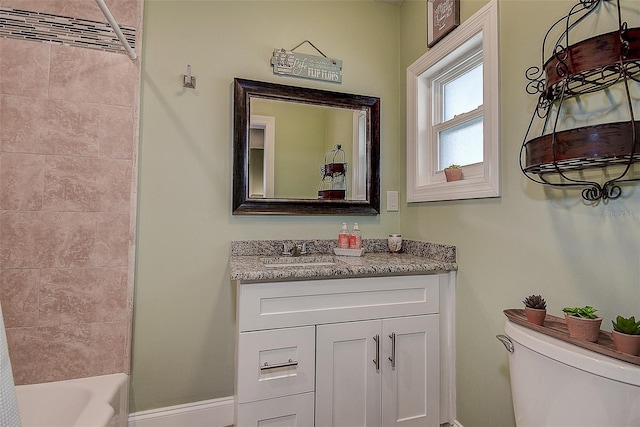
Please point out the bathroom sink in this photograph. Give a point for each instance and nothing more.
(300, 261)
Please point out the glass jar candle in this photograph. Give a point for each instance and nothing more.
(395, 243)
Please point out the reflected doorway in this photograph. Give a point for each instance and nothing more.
(261, 156)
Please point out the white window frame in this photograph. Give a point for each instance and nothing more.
(424, 181)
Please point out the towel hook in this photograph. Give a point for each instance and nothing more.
(189, 81)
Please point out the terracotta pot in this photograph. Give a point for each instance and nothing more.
(583, 329)
(535, 315)
(453, 174)
(626, 343)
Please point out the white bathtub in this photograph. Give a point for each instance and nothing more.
(85, 402)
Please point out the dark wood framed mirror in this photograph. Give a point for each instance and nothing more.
(285, 142)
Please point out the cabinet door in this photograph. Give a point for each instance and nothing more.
(411, 376)
(348, 387)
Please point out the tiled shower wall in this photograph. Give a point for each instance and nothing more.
(68, 179)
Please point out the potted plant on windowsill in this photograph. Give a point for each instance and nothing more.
(626, 335)
(535, 308)
(583, 323)
(453, 173)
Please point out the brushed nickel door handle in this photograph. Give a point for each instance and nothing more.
(376, 361)
(392, 359)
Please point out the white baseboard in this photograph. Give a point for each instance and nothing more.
(206, 413)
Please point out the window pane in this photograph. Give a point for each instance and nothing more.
(463, 94)
(461, 145)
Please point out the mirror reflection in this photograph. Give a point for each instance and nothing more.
(304, 151)
(293, 152)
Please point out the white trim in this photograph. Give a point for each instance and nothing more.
(268, 125)
(209, 413)
(206, 413)
(447, 347)
(358, 164)
(481, 180)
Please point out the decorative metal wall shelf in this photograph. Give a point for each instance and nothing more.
(561, 157)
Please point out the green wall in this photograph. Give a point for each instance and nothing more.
(532, 239)
(184, 315)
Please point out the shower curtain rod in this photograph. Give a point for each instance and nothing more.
(116, 28)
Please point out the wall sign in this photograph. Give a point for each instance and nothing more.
(442, 17)
(287, 62)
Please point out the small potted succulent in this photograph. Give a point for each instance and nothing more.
(453, 173)
(583, 323)
(626, 335)
(535, 308)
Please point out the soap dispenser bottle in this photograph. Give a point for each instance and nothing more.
(355, 238)
(343, 237)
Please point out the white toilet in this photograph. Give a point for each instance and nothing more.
(554, 383)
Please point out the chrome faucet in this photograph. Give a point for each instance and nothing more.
(296, 250)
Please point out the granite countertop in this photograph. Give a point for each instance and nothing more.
(246, 262)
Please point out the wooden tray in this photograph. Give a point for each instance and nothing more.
(556, 327)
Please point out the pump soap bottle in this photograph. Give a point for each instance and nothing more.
(355, 239)
(343, 237)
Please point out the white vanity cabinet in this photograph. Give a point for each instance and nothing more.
(343, 352)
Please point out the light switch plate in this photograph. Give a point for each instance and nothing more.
(392, 201)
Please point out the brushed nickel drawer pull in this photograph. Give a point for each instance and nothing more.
(279, 365)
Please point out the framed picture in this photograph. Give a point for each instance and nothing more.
(442, 17)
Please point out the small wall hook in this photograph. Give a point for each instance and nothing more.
(189, 81)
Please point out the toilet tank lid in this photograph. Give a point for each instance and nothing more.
(572, 355)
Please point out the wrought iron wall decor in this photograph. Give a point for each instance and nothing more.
(567, 157)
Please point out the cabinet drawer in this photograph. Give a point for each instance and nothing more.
(289, 411)
(313, 302)
(275, 363)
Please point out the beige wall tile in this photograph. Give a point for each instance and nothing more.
(86, 184)
(112, 240)
(21, 181)
(109, 347)
(76, 8)
(25, 241)
(116, 128)
(82, 295)
(24, 68)
(67, 192)
(22, 124)
(85, 75)
(50, 353)
(126, 12)
(19, 290)
(42, 126)
(67, 351)
(46, 239)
